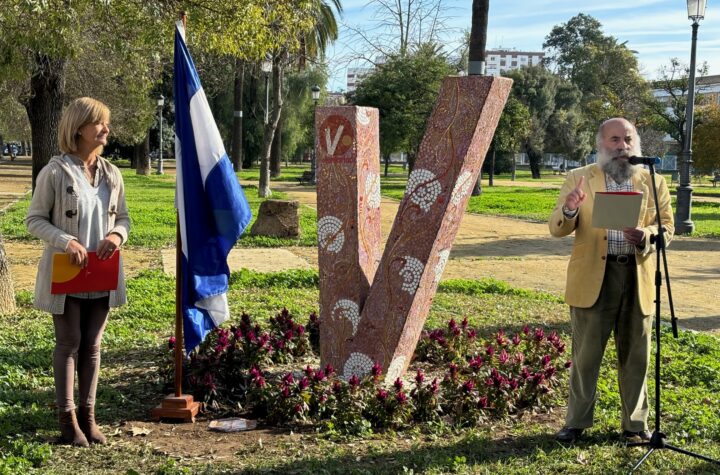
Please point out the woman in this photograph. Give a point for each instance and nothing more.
(79, 206)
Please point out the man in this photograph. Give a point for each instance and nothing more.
(610, 279)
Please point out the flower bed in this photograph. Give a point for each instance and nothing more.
(463, 379)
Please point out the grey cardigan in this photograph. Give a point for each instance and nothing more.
(52, 217)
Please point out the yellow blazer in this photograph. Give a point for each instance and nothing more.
(586, 268)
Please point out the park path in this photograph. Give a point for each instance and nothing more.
(521, 253)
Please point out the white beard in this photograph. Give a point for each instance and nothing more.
(619, 170)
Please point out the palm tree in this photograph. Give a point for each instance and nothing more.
(312, 47)
(476, 57)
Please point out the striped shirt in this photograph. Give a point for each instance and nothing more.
(616, 241)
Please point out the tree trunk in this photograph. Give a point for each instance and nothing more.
(387, 164)
(269, 133)
(535, 161)
(237, 132)
(276, 152)
(491, 175)
(7, 290)
(44, 109)
(142, 158)
(477, 189)
(2, 146)
(410, 161)
(478, 36)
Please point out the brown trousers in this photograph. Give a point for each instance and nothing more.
(78, 333)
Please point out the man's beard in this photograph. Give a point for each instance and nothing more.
(619, 169)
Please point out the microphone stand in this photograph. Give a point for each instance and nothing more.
(657, 440)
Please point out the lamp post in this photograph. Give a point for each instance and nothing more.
(683, 211)
(315, 90)
(160, 103)
(266, 67)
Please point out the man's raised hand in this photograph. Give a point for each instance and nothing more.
(576, 197)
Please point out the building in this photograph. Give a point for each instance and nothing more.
(498, 61)
(355, 76)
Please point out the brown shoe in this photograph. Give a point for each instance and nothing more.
(87, 423)
(70, 432)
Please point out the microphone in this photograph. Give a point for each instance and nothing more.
(644, 160)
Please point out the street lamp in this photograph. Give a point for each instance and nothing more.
(683, 223)
(160, 103)
(315, 90)
(266, 65)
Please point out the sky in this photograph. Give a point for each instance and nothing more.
(656, 29)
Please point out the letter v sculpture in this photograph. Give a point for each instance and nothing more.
(373, 309)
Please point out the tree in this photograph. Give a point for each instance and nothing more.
(706, 141)
(63, 32)
(667, 111)
(404, 89)
(604, 70)
(536, 88)
(7, 292)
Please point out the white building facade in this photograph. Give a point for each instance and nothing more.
(498, 61)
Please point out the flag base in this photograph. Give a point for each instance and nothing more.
(176, 407)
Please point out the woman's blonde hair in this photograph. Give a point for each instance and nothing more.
(80, 112)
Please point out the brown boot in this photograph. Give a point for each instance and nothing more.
(87, 423)
(70, 432)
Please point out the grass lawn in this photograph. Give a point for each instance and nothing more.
(135, 353)
(131, 384)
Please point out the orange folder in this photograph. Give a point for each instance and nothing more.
(97, 276)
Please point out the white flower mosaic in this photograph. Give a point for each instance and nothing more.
(411, 273)
(330, 236)
(395, 368)
(362, 116)
(357, 364)
(372, 190)
(462, 187)
(442, 262)
(423, 188)
(345, 308)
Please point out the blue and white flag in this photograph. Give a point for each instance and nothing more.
(212, 208)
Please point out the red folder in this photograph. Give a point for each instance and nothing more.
(97, 276)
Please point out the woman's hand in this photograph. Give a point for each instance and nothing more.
(108, 245)
(77, 252)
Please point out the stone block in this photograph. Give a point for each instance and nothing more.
(277, 218)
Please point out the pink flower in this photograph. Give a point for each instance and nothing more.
(309, 372)
(435, 386)
(304, 383)
(550, 372)
(516, 339)
(464, 323)
(354, 381)
(468, 386)
(452, 325)
(483, 402)
(538, 378)
(471, 334)
(401, 397)
(513, 383)
(526, 330)
(329, 370)
(171, 343)
(456, 331)
(376, 369)
(298, 409)
(398, 384)
(319, 375)
(476, 363)
(453, 371)
(519, 357)
(313, 317)
(300, 330)
(525, 373)
(568, 364)
(322, 398)
(337, 387)
(285, 392)
(259, 381)
(490, 351)
(419, 377)
(560, 347)
(539, 334)
(382, 394)
(546, 360)
(288, 378)
(255, 372)
(503, 358)
(500, 338)
(289, 335)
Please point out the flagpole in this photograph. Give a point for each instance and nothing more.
(178, 308)
(178, 406)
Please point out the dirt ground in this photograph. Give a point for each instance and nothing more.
(520, 253)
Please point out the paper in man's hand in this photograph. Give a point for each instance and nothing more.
(616, 210)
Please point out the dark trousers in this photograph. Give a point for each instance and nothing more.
(78, 333)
